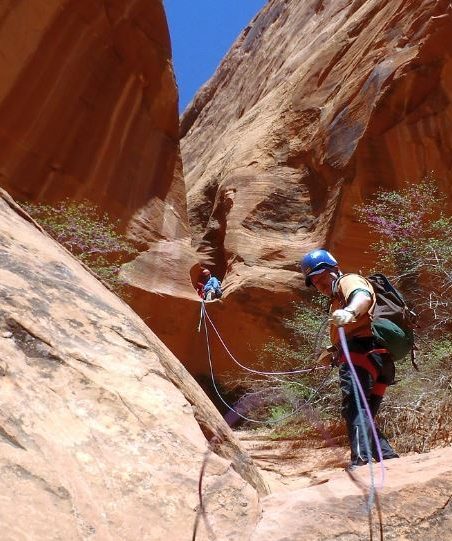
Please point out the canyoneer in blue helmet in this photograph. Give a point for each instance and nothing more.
(352, 301)
(315, 263)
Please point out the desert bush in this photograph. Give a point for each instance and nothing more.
(89, 234)
(414, 246)
(415, 251)
(417, 411)
(287, 402)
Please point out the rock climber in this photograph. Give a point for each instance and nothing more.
(352, 300)
(210, 286)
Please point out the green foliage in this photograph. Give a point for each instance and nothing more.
(414, 245)
(417, 411)
(279, 412)
(307, 327)
(284, 401)
(415, 248)
(92, 236)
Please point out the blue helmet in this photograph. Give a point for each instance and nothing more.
(315, 262)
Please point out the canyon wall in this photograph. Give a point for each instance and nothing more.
(317, 104)
(88, 109)
(103, 433)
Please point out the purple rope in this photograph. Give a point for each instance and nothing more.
(364, 399)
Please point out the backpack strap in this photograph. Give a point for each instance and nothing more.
(335, 289)
(336, 292)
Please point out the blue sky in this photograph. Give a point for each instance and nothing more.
(202, 31)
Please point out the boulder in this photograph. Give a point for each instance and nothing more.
(103, 433)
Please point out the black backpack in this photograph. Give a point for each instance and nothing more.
(393, 321)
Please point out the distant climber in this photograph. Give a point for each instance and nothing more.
(352, 303)
(209, 288)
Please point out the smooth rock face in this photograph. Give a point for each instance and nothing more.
(88, 109)
(415, 505)
(317, 105)
(102, 431)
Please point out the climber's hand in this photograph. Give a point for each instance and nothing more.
(342, 317)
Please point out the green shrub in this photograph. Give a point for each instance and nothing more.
(89, 234)
(284, 402)
(415, 251)
(414, 246)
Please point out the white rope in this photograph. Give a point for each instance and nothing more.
(257, 421)
(259, 372)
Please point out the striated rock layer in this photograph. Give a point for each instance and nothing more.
(102, 431)
(317, 104)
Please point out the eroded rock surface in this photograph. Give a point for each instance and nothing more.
(415, 503)
(317, 105)
(89, 109)
(102, 431)
(313, 498)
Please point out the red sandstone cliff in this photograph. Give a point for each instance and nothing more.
(102, 430)
(317, 104)
(88, 109)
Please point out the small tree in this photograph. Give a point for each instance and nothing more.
(415, 245)
(91, 235)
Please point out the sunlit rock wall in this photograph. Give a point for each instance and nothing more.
(317, 104)
(103, 433)
(89, 109)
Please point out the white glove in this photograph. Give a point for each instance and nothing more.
(342, 317)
